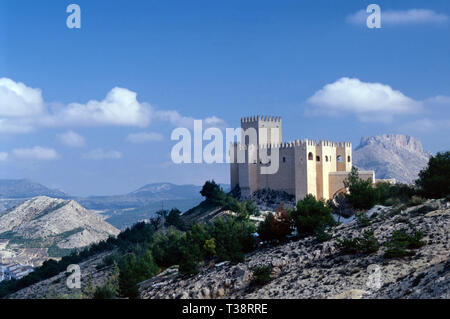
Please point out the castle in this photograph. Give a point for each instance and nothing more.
(304, 167)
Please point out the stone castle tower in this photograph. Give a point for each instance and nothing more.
(305, 167)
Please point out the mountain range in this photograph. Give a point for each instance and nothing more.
(119, 210)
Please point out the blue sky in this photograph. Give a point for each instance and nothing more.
(327, 75)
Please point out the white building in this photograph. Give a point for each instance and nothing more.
(14, 271)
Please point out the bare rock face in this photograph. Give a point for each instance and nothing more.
(391, 156)
(45, 222)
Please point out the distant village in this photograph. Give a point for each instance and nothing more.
(9, 271)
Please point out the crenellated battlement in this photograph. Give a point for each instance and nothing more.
(258, 118)
(298, 167)
(304, 144)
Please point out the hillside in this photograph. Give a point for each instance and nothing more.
(308, 269)
(391, 156)
(57, 225)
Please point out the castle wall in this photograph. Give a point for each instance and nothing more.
(305, 167)
(282, 180)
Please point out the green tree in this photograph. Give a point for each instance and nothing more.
(361, 192)
(312, 216)
(434, 180)
(174, 219)
(135, 270)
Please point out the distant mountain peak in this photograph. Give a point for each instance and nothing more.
(57, 222)
(393, 140)
(391, 156)
(25, 188)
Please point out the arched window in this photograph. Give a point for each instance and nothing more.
(326, 158)
(348, 159)
(310, 156)
(284, 159)
(318, 158)
(339, 158)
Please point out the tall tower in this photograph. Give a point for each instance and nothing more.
(263, 126)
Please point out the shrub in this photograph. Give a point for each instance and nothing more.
(362, 220)
(366, 245)
(261, 275)
(174, 219)
(312, 215)
(322, 236)
(166, 247)
(275, 227)
(110, 289)
(134, 270)
(400, 243)
(362, 195)
(434, 180)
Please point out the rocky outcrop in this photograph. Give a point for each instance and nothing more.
(391, 156)
(308, 269)
(45, 222)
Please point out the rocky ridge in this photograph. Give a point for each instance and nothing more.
(50, 221)
(391, 156)
(308, 269)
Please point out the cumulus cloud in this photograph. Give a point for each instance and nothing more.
(35, 153)
(18, 100)
(369, 101)
(22, 110)
(3, 156)
(145, 137)
(400, 17)
(120, 107)
(71, 139)
(100, 154)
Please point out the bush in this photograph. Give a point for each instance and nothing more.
(261, 275)
(401, 243)
(275, 227)
(166, 247)
(226, 239)
(322, 236)
(362, 195)
(362, 220)
(434, 180)
(213, 192)
(134, 270)
(366, 245)
(174, 219)
(311, 216)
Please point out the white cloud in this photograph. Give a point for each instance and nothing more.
(35, 153)
(214, 121)
(3, 156)
(369, 101)
(120, 107)
(17, 99)
(22, 110)
(71, 139)
(100, 154)
(145, 137)
(176, 119)
(400, 17)
(426, 125)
